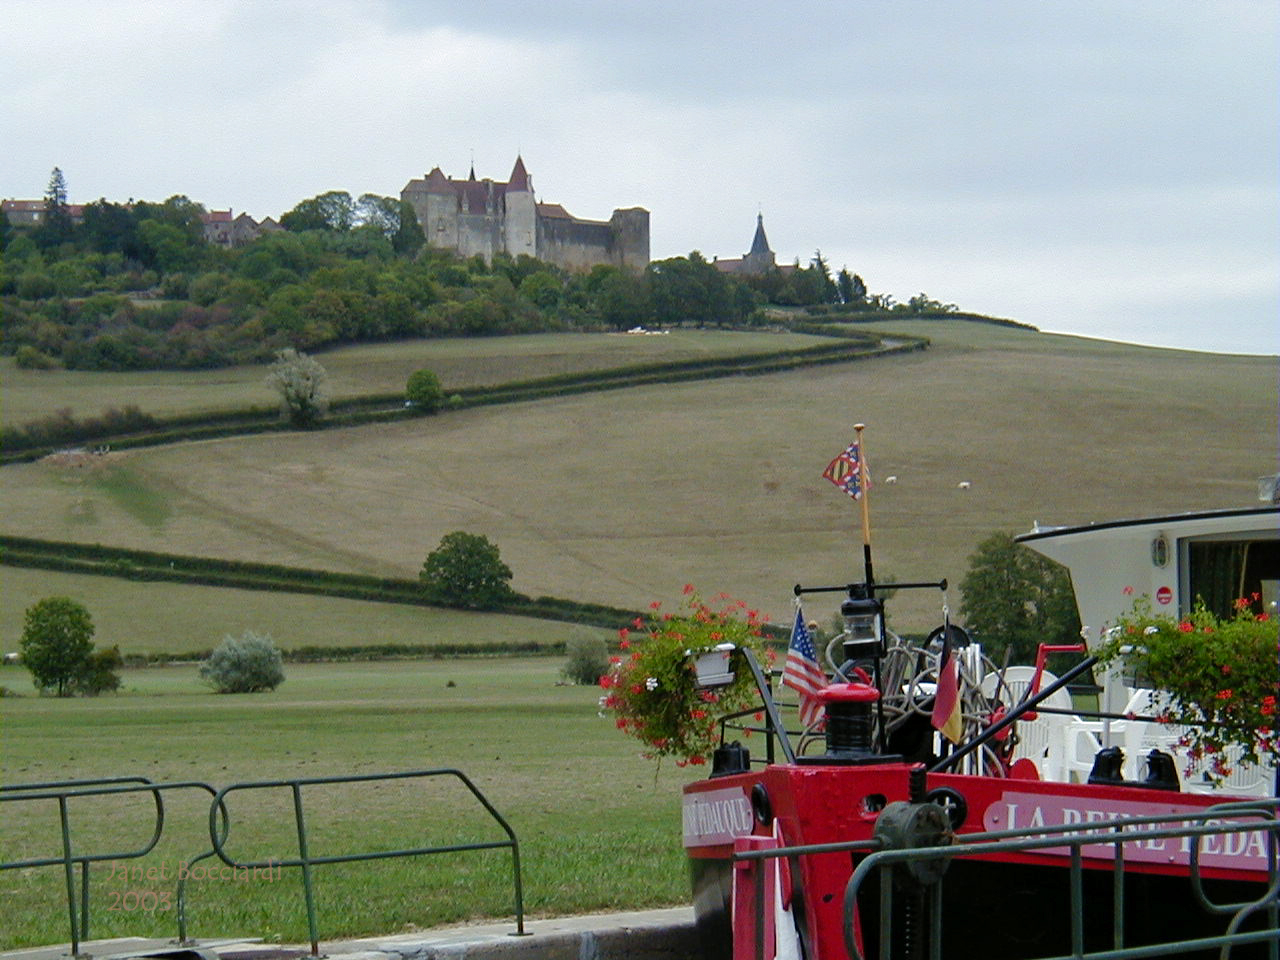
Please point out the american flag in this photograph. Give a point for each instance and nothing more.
(846, 470)
(802, 673)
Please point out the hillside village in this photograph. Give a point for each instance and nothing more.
(143, 285)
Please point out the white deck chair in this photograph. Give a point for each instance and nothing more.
(1139, 738)
(1034, 736)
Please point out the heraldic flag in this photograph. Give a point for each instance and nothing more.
(846, 470)
(802, 673)
(946, 701)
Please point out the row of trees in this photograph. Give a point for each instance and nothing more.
(1013, 599)
(137, 286)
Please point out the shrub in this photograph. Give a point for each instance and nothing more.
(247, 664)
(29, 358)
(302, 384)
(98, 674)
(587, 660)
(467, 568)
(424, 391)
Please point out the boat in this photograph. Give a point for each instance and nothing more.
(871, 834)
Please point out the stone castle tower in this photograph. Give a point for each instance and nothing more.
(486, 217)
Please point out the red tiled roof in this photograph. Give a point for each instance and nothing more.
(554, 210)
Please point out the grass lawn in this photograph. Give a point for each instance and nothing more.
(369, 368)
(623, 497)
(128, 613)
(598, 829)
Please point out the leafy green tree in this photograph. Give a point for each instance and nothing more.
(250, 663)
(424, 391)
(467, 568)
(302, 384)
(334, 210)
(541, 288)
(689, 289)
(99, 673)
(587, 659)
(1013, 597)
(56, 644)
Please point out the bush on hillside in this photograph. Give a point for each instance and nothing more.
(587, 660)
(424, 391)
(247, 664)
(467, 568)
(302, 384)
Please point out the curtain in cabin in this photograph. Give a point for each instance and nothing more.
(1217, 574)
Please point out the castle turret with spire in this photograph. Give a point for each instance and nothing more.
(486, 217)
(758, 260)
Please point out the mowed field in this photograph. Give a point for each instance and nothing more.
(371, 368)
(146, 618)
(624, 496)
(599, 827)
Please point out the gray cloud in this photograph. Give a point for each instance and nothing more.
(1101, 168)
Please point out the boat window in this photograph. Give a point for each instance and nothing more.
(1220, 571)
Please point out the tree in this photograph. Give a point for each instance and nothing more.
(99, 673)
(587, 659)
(467, 568)
(302, 384)
(247, 664)
(57, 642)
(57, 225)
(334, 210)
(424, 391)
(1015, 598)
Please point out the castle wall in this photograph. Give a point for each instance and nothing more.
(483, 218)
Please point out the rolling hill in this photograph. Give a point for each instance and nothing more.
(623, 497)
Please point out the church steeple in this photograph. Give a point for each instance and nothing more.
(760, 244)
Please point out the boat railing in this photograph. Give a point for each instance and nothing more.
(1115, 840)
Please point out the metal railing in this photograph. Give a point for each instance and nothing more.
(1259, 817)
(67, 790)
(305, 860)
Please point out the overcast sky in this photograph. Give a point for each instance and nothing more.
(1101, 168)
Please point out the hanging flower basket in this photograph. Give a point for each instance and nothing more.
(1218, 677)
(653, 687)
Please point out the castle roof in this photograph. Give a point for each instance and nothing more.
(437, 182)
(554, 210)
(519, 176)
(759, 243)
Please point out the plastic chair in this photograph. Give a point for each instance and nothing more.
(1035, 737)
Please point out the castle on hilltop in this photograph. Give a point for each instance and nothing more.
(486, 217)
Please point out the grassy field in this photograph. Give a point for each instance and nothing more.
(598, 829)
(372, 368)
(623, 497)
(126, 613)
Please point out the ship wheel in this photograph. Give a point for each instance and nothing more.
(952, 802)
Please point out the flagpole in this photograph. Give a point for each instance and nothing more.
(865, 501)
